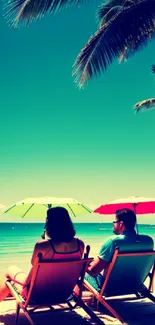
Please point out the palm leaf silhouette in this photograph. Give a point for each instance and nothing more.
(113, 11)
(144, 105)
(26, 11)
(107, 9)
(153, 68)
(131, 25)
(134, 47)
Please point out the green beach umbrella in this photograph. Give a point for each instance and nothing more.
(2, 207)
(37, 207)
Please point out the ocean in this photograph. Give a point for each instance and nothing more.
(17, 240)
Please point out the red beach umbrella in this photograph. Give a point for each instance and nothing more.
(140, 205)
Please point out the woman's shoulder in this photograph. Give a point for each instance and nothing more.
(79, 240)
(42, 243)
(80, 244)
(43, 246)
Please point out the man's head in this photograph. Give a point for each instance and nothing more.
(125, 219)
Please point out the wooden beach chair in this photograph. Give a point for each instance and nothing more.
(53, 283)
(125, 276)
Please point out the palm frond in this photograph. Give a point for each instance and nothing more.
(153, 68)
(123, 56)
(130, 26)
(134, 47)
(25, 11)
(106, 6)
(113, 11)
(107, 9)
(146, 104)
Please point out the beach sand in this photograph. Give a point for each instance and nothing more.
(138, 312)
(76, 317)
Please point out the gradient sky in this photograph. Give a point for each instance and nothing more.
(57, 140)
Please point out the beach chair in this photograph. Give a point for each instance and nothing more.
(52, 284)
(125, 277)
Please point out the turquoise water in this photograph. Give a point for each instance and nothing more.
(17, 240)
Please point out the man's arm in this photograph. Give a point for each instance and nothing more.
(102, 261)
(97, 266)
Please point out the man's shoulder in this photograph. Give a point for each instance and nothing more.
(133, 243)
(129, 243)
(111, 241)
(115, 238)
(145, 237)
(146, 242)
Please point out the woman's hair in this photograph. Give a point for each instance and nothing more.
(59, 226)
(128, 217)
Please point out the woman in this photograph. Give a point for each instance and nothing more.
(60, 244)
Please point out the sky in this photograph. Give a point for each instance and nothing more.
(57, 140)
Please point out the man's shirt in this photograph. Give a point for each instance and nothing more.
(128, 241)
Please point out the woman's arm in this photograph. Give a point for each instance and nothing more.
(40, 247)
(33, 260)
(35, 254)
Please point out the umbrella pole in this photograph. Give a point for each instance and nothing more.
(134, 206)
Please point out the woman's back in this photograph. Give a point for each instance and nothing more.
(64, 250)
(61, 245)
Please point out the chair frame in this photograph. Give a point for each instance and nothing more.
(101, 296)
(75, 299)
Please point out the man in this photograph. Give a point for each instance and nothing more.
(125, 239)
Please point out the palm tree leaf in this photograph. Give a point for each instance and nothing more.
(144, 105)
(113, 11)
(135, 46)
(105, 7)
(153, 68)
(26, 11)
(131, 25)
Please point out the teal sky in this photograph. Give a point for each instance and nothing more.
(57, 140)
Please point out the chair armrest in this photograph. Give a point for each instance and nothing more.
(14, 291)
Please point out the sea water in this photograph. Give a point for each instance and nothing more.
(17, 240)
